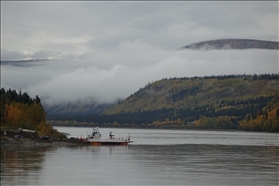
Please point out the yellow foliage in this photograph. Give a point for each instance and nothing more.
(271, 124)
(33, 116)
(220, 122)
(12, 115)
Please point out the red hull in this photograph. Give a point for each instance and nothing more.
(97, 143)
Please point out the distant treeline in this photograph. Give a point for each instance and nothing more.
(251, 77)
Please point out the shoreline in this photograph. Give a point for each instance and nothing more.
(163, 128)
(7, 139)
(29, 142)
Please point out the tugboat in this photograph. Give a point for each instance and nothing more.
(96, 140)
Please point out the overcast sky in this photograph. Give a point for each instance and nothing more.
(106, 50)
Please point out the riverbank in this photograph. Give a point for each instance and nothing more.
(31, 138)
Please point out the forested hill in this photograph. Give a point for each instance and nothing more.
(241, 102)
(209, 102)
(211, 92)
(233, 44)
(76, 108)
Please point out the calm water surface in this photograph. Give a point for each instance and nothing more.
(157, 157)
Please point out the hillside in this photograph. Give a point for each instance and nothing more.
(217, 102)
(75, 108)
(226, 44)
(267, 118)
(197, 92)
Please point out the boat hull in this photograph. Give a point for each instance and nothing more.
(95, 139)
(100, 143)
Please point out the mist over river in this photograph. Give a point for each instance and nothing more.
(156, 157)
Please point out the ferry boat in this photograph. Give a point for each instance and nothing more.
(96, 139)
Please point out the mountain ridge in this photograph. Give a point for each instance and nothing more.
(226, 44)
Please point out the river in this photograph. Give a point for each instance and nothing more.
(156, 157)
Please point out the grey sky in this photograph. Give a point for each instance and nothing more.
(107, 50)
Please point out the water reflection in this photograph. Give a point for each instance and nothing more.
(209, 164)
(97, 150)
(21, 162)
